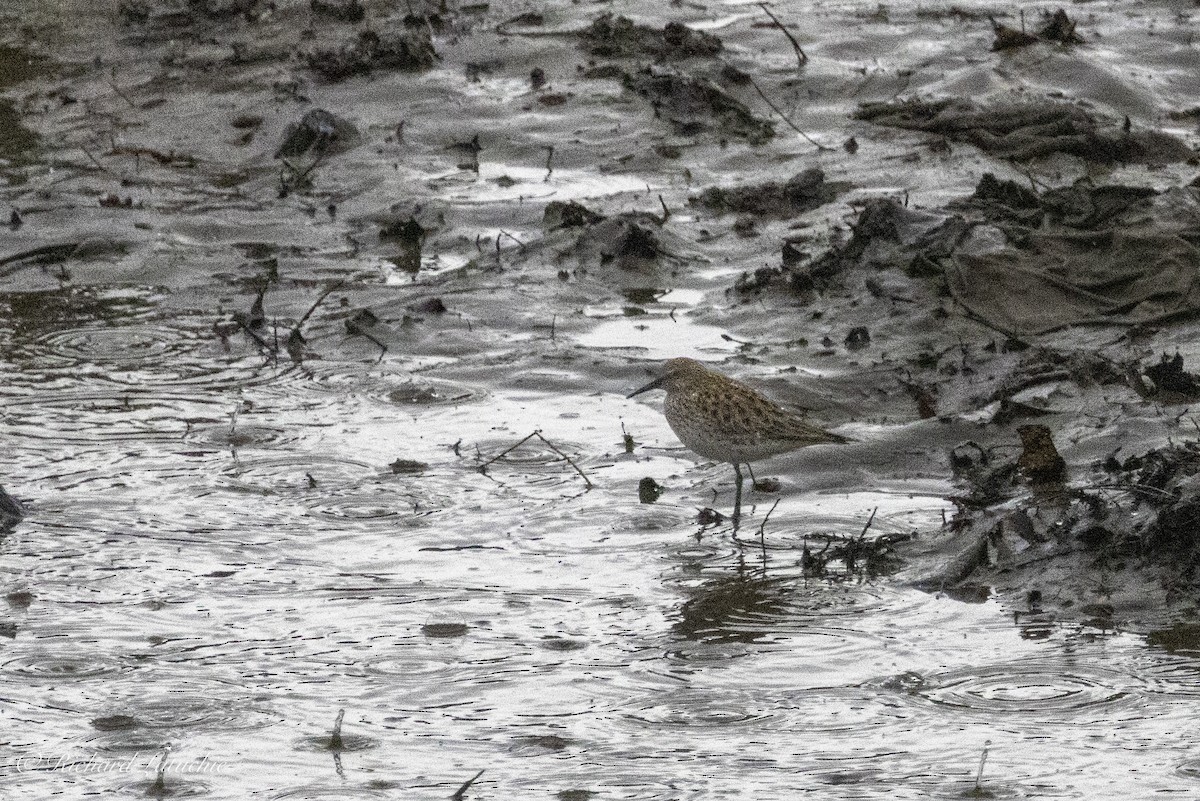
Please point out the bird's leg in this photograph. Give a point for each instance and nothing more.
(753, 480)
(737, 496)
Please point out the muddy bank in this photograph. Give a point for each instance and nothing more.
(550, 201)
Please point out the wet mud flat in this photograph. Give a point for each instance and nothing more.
(317, 320)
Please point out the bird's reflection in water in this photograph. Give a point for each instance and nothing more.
(736, 608)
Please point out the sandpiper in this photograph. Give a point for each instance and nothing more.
(726, 421)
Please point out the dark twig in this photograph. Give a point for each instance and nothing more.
(784, 117)
(320, 299)
(336, 742)
(870, 520)
(520, 244)
(483, 467)
(762, 529)
(461, 791)
(801, 56)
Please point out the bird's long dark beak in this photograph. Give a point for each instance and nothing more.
(655, 384)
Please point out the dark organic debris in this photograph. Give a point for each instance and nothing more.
(612, 36)
(803, 192)
(307, 144)
(318, 133)
(629, 241)
(694, 105)
(1040, 463)
(1168, 383)
(649, 490)
(429, 306)
(1024, 131)
(1059, 28)
(858, 338)
(568, 214)
(409, 236)
(987, 475)
(467, 153)
(410, 49)
(11, 511)
(1008, 38)
(408, 467)
(1140, 516)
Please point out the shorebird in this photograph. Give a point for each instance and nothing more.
(727, 421)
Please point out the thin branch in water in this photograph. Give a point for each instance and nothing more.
(870, 520)
(801, 56)
(320, 299)
(159, 788)
(462, 791)
(483, 467)
(335, 739)
(520, 244)
(762, 529)
(784, 117)
(979, 773)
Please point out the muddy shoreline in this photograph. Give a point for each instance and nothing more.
(928, 269)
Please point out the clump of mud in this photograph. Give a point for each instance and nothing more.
(1123, 539)
(612, 36)
(802, 192)
(694, 105)
(1025, 131)
(409, 49)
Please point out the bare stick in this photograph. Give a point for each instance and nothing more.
(461, 791)
(159, 788)
(762, 529)
(328, 291)
(483, 467)
(568, 460)
(801, 56)
(520, 244)
(870, 520)
(784, 117)
(506, 451)
(335, 739)
(982, 761)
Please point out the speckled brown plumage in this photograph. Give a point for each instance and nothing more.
(727, 421)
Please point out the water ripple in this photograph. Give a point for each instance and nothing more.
(386, 385)
(184, 353)
(1049, 687)
(49, 665)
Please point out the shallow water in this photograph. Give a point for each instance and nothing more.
(219, 553)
